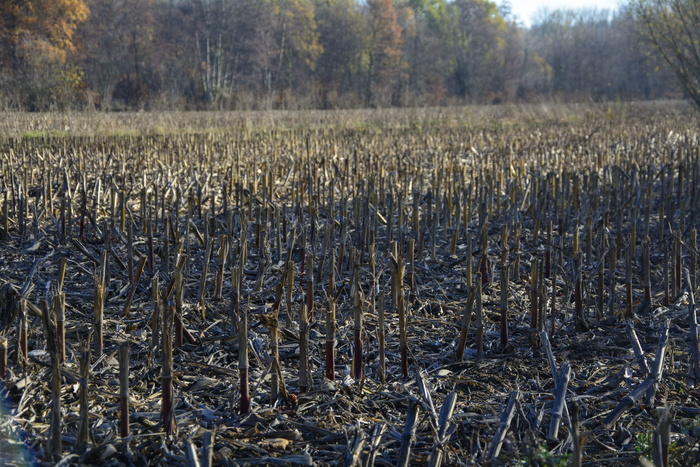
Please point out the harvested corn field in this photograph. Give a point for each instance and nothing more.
(447, 287)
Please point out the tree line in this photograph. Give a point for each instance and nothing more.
(282, 54)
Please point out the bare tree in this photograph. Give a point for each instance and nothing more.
(673, 26)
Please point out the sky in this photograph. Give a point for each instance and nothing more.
(524, 9)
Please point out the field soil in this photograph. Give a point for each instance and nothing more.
(500, 286)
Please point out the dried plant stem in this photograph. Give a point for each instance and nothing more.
(408, 437)
(167, 404)
(479, 319)
(59, 308)
(465, 322)
(203, 279)
(243, 361)
(534, 300)
(646, 271)
(381, 336)
(55, 446)
(330, 323)
(134, 285)
(223, 255)
(207, 448)
(100, 291)
(662, 437)
(357, 343)
(84, 425)
(441, 438)
(155, 316)
(504, 305)
(647, 388)
(693, 280)
(273, 328)
(177, 294)
(3, 358)
(397, 290)
(303, 349)
(579, 318)
(124, 388)
(503, 427)
(667, 278)
(130, 250)
(559, 400)
(694, 346)
(677, 265)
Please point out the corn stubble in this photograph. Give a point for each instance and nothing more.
(354, 249)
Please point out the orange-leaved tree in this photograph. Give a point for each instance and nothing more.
(36, 39)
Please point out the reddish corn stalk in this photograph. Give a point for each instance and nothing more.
(243, 362)
(124, 388)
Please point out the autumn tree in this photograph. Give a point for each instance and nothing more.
(36, 40)
(425, 25)
(673, 26)
(386, 66)
(230, 44)
(298, 49)
(342, 32)
(121, 53)
(477, 45)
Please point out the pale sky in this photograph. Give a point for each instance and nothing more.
(524, 9)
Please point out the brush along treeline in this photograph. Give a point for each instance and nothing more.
(308, 294)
